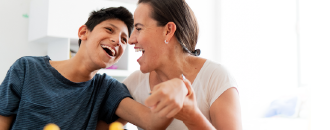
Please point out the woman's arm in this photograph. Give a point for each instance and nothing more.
(225, 111)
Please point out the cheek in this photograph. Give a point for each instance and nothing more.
(122, 50)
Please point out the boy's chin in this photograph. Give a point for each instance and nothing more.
(109, 66)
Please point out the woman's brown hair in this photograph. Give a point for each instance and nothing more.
(177, 11)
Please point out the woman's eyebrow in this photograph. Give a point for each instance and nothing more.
(137, 24)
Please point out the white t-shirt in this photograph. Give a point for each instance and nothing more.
(211, 81)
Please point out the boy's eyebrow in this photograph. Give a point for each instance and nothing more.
(125, 35)
(113, 26)
(117, 28)
(138, 24)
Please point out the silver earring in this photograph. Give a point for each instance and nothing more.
(166, 42)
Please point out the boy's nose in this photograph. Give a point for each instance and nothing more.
(114, 41)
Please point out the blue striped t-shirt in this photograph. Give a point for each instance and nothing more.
(37, 94)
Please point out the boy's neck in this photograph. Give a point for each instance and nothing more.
(74, 70)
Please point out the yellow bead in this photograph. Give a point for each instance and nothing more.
(51, 126)
(116, 126)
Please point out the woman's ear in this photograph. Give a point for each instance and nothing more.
(170, 29)
(83, 32)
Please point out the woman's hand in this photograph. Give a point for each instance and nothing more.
(167, 98)
(190, 107)
(190, 114)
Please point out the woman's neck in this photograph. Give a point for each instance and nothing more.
(189, 66)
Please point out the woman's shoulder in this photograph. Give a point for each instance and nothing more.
(216, 74)
(136, 77)
(214, 68)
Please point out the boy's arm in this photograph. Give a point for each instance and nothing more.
(137, 114)
(170, 95)
(10, 91)
(141, 115)
(102, 125)
(5, 122)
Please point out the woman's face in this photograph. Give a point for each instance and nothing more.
(107, 42)
(148, 38)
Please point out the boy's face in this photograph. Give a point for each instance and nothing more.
(106, 43)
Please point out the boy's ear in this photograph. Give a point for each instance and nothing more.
(170, 29)
(83, 32)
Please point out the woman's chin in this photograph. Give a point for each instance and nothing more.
(144, 70)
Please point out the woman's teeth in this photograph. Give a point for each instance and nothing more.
(112, 50)
(139, 49)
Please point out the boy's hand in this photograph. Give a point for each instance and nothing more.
(167, 98)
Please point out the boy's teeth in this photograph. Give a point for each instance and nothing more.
(112, 50)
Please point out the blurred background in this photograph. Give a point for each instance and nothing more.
(277, 50)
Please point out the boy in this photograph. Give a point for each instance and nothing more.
(69, 93)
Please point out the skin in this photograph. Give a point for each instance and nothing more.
(91, 57)
(167, 61)
(5, 122)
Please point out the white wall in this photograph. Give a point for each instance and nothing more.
(259, 45)
(14, 34)
(205, 12)
(315, 48)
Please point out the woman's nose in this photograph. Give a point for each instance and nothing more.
(132, 40)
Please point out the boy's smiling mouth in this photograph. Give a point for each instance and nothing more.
(110, 51)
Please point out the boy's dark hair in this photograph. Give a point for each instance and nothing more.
(120, 13)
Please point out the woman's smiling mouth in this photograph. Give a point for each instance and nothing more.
(138, 49)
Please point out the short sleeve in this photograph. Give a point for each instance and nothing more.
(10, 89)
(132, 80)
(220, 81)
(116, 93)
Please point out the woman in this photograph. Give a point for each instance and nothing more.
(166, 31)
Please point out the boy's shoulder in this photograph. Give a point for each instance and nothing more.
(105, 78)
(30, 59)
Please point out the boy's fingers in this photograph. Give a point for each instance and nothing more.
(172, 113)
(159, 106)
(152, 100)
(166, 110)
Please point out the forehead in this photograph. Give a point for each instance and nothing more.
(115, 23)
(142, 14)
